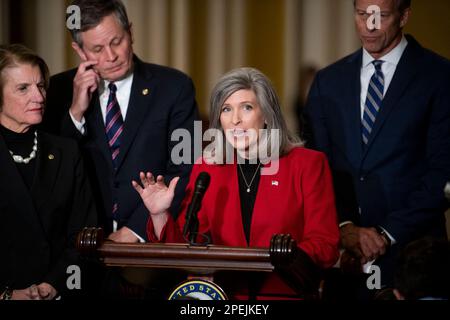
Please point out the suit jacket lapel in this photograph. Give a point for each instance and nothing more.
(404, 74)
(138, 106)
(353, 125)
(97, 128)
(48, 164)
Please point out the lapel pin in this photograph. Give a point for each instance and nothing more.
(275, 183)
(51, 157)
(145, 92)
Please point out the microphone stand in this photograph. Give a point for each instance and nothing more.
(193, 228)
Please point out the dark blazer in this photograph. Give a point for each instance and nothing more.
(39, 226)
(167, 104)
(397, 181)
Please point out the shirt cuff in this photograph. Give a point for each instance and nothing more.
(389, 235)
(345, 223)
(367, 267)
(137, 236)
(79, 125)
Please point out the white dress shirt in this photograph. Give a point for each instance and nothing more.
(122, 94)
(388, 68)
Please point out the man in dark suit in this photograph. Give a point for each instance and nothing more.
(382, 116)
(123, 111)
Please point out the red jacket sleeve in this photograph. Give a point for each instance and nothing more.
(321, 234)
(171, 232)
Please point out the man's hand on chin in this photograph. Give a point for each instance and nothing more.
(123, 235)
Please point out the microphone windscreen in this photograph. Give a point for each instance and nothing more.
(202, 181)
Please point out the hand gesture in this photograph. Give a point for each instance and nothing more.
(86, 81)
(156, 196)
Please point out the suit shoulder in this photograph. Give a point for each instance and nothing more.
(165, 72)
(436, 61)
(60, 142)
(341, 63)
(64, 76)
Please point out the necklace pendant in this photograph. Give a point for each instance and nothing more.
(248, 189)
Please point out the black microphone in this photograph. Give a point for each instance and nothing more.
(191, 224)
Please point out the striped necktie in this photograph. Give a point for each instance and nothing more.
(113, 123)
(373, 101)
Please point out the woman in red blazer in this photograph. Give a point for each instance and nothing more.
(271, 185)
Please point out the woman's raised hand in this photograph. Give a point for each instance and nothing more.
(156, 196)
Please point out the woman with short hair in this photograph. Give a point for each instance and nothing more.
(45, 199)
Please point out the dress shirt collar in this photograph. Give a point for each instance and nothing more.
(392, 57)
(119, 84)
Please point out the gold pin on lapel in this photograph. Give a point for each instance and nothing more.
(145, 92)
(51, 157)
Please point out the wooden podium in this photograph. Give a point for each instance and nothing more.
(203, 262)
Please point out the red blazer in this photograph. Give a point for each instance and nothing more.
(298, 200)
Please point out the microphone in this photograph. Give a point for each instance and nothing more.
(191, 224)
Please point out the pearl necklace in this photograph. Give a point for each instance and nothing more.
(20, 159)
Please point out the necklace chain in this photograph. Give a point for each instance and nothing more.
(253, 178)
(20, 159)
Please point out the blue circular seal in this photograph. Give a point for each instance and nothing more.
(197, 289)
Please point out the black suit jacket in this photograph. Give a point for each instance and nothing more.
(39, 226)
(397, 181)
(145, 142)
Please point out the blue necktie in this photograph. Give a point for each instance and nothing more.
(373, 101)
(113, 123)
